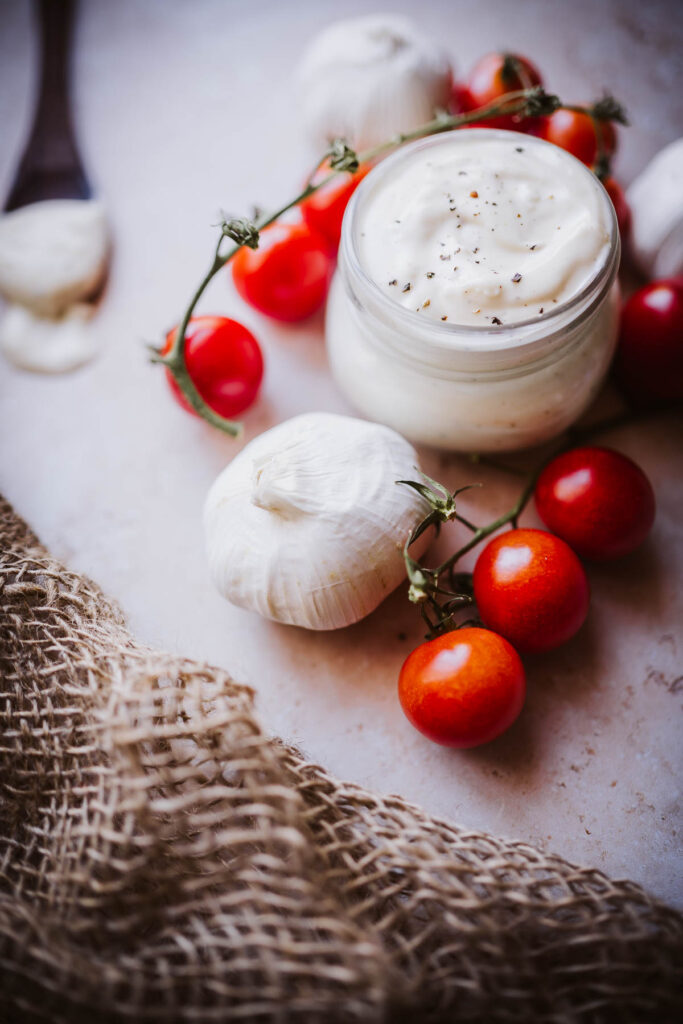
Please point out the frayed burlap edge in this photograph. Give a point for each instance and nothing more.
(163, 859)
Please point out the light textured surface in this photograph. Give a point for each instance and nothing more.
(186, 108)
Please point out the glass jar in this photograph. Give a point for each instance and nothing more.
(462, 387)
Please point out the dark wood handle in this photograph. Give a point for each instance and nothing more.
(51, 167)
(52, 133)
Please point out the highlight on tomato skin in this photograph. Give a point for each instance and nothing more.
(531, 588)
(225, 364)
(576, 132)
(648, 365)
(597, 500)
(287, 277)
(463, 688)
(492, 77)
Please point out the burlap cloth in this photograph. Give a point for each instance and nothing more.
(163, 859)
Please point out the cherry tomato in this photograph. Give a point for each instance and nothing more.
(463, 688)
(597, 500)
(324, 210)
(576, 132)
(287, 276)
(649, 360)
(531, 588)
(224, 361)
(621, 207)
(491, 78)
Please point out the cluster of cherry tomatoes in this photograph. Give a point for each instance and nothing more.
(466, 687)
(287, 277)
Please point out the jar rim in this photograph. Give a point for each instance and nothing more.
(456, 336)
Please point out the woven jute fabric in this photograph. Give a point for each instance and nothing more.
(163, 859)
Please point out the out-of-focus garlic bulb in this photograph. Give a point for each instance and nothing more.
(365, 79)
(656, 201)
(307, 525)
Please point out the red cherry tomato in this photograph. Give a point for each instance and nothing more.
(531, 588)
(621, 207)
(491, 78)
(463, 688)
(324, 210)
(649, 360)
(224, 361)
(597, 500)
(287, 276)
(460, 99)
(576, 132)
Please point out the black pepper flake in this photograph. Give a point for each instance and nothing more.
(532, 247)
(519, 149)
(476, 250)
(444, 318)
(430, 274)
(541, 309)
(406, 287)
(496, 321)
(494, 204)
(393, 282)
(397, 222)
(517, 278)
(462, 173)
(444, 256)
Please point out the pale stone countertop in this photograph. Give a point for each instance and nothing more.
(183, 109)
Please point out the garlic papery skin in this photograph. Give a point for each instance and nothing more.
(366, 79)
(307, 525)
(656, 201)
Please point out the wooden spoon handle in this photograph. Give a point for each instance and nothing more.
(51, 166)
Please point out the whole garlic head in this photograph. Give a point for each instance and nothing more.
(656, 201)
(366, 79)
(307, 525)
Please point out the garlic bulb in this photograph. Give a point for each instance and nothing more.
(366, 79)
(656, 201)
(307, 525)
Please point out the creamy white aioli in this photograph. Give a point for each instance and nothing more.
(483, 229)
(475, 322)
(53, 257)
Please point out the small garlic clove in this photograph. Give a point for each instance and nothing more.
(307, 525)
(366, 79)
(656, 202)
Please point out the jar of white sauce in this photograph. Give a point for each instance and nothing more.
(475, 304)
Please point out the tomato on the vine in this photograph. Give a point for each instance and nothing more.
(224, 362)
(621, 207)
(323, 211)
(490, 79)
(530, 587)
(649, 359)
(287, 276)
(576, 132)
(597, 500)
(463, 688)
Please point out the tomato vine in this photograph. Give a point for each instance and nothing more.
(530, 102)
